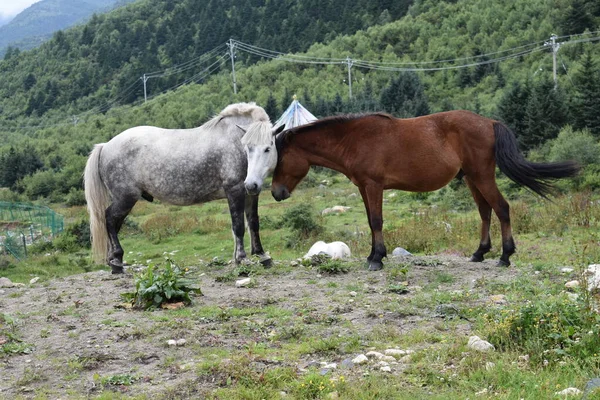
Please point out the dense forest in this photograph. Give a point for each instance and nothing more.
(496, 65)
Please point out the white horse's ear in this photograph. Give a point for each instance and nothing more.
(278, 130)
(244, 129)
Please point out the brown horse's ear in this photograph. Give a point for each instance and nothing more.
(278, 130)
(242, 128)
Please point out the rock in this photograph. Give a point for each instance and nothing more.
(406, 359)
(347, 363)
(34, 280)
(385, 369)
(353, 294)
(360, 359)
(374, 354)
(572, 284)
(593, 279)
(335, 209)
(498, 299)
(569, 392)
(388, 359)
(6, 283)
(243, 282)
(476, 343)
(566, 270)
(395, 353)
(330, 366)
(180, 342)
(572, 296)
(400, 252)
(383, 364)
(591, 387)
(172, 342)
(336, 250)
(489, 366)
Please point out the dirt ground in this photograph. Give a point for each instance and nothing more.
(81, 343)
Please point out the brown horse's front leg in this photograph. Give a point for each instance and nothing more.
(373, 198)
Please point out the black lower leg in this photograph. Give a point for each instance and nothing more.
(508, 249)
(481, 250)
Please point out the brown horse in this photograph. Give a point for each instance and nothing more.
(378, 151)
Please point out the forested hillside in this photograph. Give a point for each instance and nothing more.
(496, 64)
(37, 23)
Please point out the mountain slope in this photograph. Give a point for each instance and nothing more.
(36, 24)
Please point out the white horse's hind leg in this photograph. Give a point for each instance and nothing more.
(237, 198)
(253, 229)
(115, 215)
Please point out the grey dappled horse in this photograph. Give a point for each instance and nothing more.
(181, 167)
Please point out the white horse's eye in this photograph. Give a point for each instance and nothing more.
(268, 149)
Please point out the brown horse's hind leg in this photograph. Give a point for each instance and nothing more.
(115, 215)
(494, 198)
(485, 212)
(373, 198)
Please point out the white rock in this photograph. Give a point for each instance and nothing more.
(572, 284)
(388, 359)
(593, 279)
(172, 342)
(243, 282)
(476, 343)
(360, 359)
(386, 369)
(489, 366)
(180, 342)
(400, 252)
(335, 209)
(374, 354)
(383, 364)
(34, 280)
(569, 392)
(566, 270)
(395, 353)
(334, 250)
(353, 294)
(330, 366)
(572, 296)
(6, 283)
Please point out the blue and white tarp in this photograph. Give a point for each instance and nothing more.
(294, 116)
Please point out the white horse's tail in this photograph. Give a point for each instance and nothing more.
(98, 199)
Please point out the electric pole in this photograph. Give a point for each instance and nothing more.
(349, 62)
(145, 79)
(231, 46)
(555, 47)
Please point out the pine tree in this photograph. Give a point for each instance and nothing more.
(587, 99)
(271, 108)
(404, 96)
(511, 109)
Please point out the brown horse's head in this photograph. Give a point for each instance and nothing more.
(291, 168)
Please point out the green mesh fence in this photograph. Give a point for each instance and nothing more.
(24, 224)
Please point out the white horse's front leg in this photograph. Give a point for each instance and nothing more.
(236, 198)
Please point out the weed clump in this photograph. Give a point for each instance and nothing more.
(301, 221)
(155, 287)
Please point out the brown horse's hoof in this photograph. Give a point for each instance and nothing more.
(502, 263)
(375, 265)
(476, 258)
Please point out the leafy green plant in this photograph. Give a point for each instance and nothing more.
(155, 287)
(10, 343)
(333, 267)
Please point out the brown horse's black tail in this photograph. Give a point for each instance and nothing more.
(535, 176)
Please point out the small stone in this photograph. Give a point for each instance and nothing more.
(180, 342)
(386, 369)
(383, 364)
(330, 366)
(360, 359)
(395, 353)
(573, 296)
(498, 299)
(489, 366)
(566, 270)
(34, 280)
(353, 294)
(294, 263)
(243, 282)
(6, 283)
(406, 359)
(374, 354)
(388, 359)
(347, 363)
(172, 342)
(572, 284)
(400, 252)
(569, 392)
(476, 343)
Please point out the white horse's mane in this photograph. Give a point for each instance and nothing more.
(258, 133)
(257, 113)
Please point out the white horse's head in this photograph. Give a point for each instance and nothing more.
(259, 143)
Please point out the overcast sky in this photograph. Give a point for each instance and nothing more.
(10, 8)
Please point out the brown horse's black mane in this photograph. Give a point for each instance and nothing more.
(284, 136)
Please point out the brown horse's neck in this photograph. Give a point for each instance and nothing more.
(319, 147)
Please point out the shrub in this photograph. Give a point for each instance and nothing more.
(300, 219)
(75, 197)
(155, 287)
